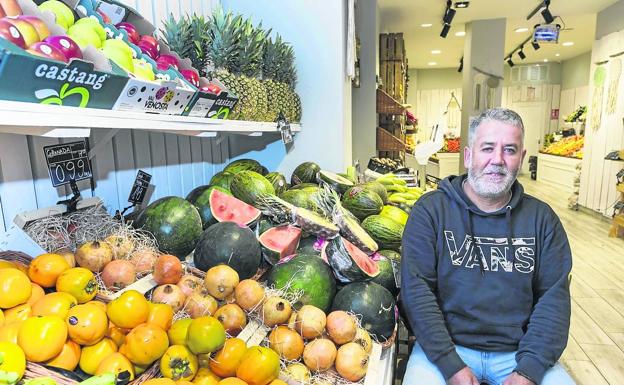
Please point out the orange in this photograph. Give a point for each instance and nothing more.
(160, 314)
(92, 356)
(129, 310)
(17, 314)
(57, 304)
(8, 332)
(46, 268)
(86, 324)
(42, 337)
(68, 358)
(36, 294)
(15, 288)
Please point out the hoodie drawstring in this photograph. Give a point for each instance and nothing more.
(468, 224)
(509, 235)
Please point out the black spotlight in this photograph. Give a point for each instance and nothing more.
(548, 17)
(511, 63)
(461, 65)
(535, 45)
(445, 30)
(449, 15)
(521, 54)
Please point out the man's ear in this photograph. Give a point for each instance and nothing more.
(467, 155)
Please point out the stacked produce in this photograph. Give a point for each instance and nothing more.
(399, 194)
(450, 145)
(571, 146)
(579, 115)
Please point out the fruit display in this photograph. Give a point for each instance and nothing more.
(450, 145)
(571, 146)
(579, 115)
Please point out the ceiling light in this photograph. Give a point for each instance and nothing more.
(521, 29)
(460, 33)
(511, 63)
(445, 30)
(521, 54)
(436, 52)
(557, 55)
(535, 45)
(545, 60)
(462, 4)
(568, 43)
(432, 63)
(426, 25)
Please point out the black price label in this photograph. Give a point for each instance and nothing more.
(139, 189)
(396, 269)
(67, 162)
(284, 128)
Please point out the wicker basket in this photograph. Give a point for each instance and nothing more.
(388, 142)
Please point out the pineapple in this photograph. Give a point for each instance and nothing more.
(177, 35)
(200, 41)
(280, 79)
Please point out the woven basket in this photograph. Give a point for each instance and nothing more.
(16, 256)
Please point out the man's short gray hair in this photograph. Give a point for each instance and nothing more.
(503, 115)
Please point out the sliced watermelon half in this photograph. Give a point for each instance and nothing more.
(279, 242)
(226, 208)
(349, 263)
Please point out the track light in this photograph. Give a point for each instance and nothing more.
(511, 63)
(461, 65)
(535, 45)
(449, 15)
(521, 54)
(445, 30)
(548, 17)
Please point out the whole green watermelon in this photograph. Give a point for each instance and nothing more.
(305, 173)
(278, 180)
(222, 179)
(244, 165)
(249, 186)
(230, 244)
(174, 222)
(309, 274)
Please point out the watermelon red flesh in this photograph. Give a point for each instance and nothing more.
(279, 242)
(226, 208)
(349, 263)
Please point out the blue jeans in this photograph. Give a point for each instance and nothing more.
(489, 367)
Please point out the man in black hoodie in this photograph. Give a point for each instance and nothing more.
(485, 271)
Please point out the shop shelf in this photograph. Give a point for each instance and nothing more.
(61, 121)
(388, 142)
(388, 105)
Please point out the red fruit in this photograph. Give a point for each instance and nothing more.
(65, 44)
(11, 7)
(191, 76)
(148, 49)
(118, 274)
(12, 34)
(168, 269)
(131, 30)
(151, 41)
(164, 61)
(40, 26)
(47, 50)
(29, 33)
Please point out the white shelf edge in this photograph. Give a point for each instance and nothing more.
(61, 121)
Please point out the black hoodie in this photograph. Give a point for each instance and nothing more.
(495, 281)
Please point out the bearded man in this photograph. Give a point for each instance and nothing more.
(485, 271)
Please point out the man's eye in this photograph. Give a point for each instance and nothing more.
(486, 149)
(510, 150)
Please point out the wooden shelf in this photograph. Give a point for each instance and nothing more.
(59, 121)
(388, 105)
(388, 142)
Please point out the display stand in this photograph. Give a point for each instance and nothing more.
(557, 170)
(443, 165)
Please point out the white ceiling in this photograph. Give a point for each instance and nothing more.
(579, 17)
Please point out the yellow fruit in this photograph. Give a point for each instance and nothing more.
(18, 313)
(79, 282)
(8, 332)
(92, 356)
(42, 337)
(129, 310)
(205, 377)
(115, 363)
(12, 359)
(57, 304)
(46, 268)
(177, 332)
(86, 324)
(68, 358)
(15, 288)
(178, 363)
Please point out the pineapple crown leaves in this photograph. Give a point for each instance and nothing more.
(224, 36)
(278, 62)
(200, 40)
(177, 35)
(252, 42)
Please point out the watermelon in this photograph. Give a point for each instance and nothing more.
(278, 181)
(335, 181)
(385, 231)
(222, 179)
(200, 198)
(349, 263)
(263, 171)
(374, 303)
(249, 186)
(379, 188)
(244, 165)
(279, 242)
(263, 225)
(308, 274)
(226, 208)
(230, 244)
(311, 246)
(362, 202)
(387, 265)
(174, 222)
(305, 173)
(394, 213)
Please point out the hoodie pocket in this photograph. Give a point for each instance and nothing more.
(481, 334)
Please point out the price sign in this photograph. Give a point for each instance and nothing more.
(396, 269)
(67, 162)
(139, 189)
(284, 128)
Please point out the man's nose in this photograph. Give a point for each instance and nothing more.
(497, 156)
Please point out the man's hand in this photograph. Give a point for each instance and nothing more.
(464, 377)
(516, 379)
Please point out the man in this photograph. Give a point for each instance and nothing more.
(485, 271)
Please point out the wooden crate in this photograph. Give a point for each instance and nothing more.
(391, 46)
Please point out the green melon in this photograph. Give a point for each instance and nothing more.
(222, 179)
(379, 188)
(174, 222)
(305, 173)
(249, 186)
(244, 165)
(335, 181)
(385, 231)
(310, 187)
(394, 213)
(278, 181)
(362, 202)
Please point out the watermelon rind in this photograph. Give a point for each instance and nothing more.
(386, 277)
(175, 224)
(244, 165)
(249, 186)
(309, 275)
(299, 198)
(385, 231)
(349, 265)
(351, 230)
(222, 179)
(200, 198)
(374, 303)
(278, 181)
(272, 254)
(305, 173)
(232, 209)
(335, 181)
(362, 202)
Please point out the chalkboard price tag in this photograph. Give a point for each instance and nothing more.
(67, 162)
(396, 269)
(139, 189)
(284, 128)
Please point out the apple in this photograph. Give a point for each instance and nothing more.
(119, 44)
(164, 61)
(131, 30)
(10, 8)
(12, 34)
(143, 70)
(148, 49)
(40, 26)
(48, 51)
(84, 35)
(65, 44)
(95, 25)
(151, 40)
(121, 54)
(29, 33)
(64, 14)
(191, 75)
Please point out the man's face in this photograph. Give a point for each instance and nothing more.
(495, 158)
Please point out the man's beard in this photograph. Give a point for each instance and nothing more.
(491, 189)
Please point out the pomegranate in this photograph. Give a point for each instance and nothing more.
(310, 321)
(94, 255)
(363, 339)
(298, 372)
(232, 317)
(276, 311)
(286, 342)
(319, 354)
(341, 327)
(199, 304)
(122, 246)
(144, 261)
(221, 281)
(118, 274)
(168, 269)
(249, 294)
(68, 255)
(169, 294)
(190, 284)
(351, 362)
